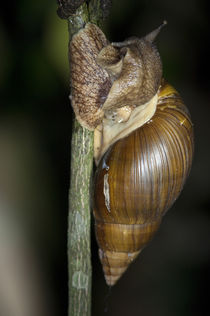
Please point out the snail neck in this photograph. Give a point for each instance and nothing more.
(128, 120)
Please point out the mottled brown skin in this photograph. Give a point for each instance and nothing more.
(106, 77)
(138, 79)
(145, 172)
(90, 83)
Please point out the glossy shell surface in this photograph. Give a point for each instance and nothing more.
(137, 181)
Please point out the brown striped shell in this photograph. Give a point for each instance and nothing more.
(137, 181)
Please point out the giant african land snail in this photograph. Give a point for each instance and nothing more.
(143, 140)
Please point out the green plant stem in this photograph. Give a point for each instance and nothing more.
(79, 254)
(79, 248)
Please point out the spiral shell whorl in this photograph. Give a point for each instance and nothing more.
(121, 245)
(115, 264)
(137, 181)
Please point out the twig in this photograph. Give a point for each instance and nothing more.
(79, 12)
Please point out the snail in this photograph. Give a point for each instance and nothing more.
(143, 139)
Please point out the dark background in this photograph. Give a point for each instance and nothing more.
(171, 277)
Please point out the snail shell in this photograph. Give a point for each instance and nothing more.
(137, 181)
(143, 140)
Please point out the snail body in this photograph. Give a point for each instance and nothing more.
(143, 142)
